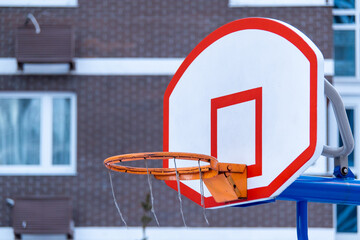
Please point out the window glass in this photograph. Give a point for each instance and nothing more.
(344, 4)
(19, 131)
(346, 218)
(61, 131)
(350, 115)
(344, 19)
(344, 44)
(37, 133)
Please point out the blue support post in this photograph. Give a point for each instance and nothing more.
(325, 190)
(302, 220)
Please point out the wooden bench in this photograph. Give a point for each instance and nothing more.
(42, 215)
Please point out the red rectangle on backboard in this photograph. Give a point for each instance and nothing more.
(231, 100)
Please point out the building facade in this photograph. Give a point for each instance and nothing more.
(58, 125)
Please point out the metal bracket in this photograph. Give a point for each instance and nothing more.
(340, 154)
(31, 17)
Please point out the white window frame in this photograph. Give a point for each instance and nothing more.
(38, 3)
(279, 3)
(350, 94)
(356, 27)
(349, 90)
(46, 167)
(354, 103)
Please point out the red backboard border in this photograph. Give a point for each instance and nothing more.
(239, 25)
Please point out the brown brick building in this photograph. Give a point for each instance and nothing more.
(125, 54)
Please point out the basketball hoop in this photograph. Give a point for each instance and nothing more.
(225, 181)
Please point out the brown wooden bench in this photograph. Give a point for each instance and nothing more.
(42, 215)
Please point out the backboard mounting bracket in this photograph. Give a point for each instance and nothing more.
(340, 154)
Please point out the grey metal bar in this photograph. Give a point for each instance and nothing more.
(342, 122)
(339, 153)
(31, 17)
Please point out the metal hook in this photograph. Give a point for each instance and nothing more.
(30, 17)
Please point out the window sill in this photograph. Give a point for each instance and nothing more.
(279, 3)
(25, 170)
(38, 3)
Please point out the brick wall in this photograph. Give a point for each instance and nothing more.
(120, 114)
(156, 28)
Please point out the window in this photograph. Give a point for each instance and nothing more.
(344, 51)
(38, 3)
(350, 115)
(278, 3)
(352, 105)
(37, 133)
(346, 27)
(346, 216)
(346, 39)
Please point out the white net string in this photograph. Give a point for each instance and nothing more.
(179, 194)
(202, 194)
(115, 201)
(151, 194)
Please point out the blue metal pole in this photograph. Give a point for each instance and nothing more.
(322, 189)
(302, 220)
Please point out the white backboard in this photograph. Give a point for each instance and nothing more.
(251, 92)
